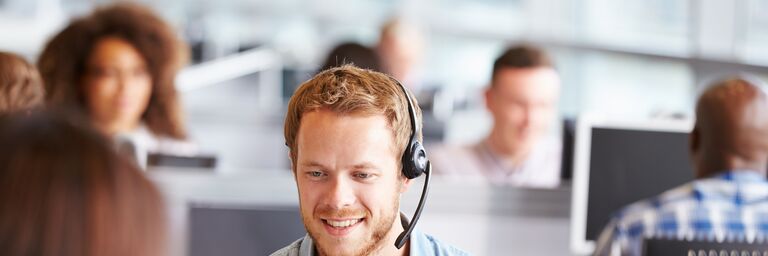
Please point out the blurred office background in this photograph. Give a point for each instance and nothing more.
(628, 58)
(621, 59)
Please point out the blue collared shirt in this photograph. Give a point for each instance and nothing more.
(727, 207)
(420, 245)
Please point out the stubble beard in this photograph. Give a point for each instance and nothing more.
(369, 246)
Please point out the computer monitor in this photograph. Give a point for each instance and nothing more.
(240, 230)
(566, 156)
(198, 161)
(620, 163)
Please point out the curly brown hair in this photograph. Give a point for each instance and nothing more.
(63, 61)
(20, 84)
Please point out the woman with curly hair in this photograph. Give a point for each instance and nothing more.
(118, 66)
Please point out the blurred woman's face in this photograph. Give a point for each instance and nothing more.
(117, 85)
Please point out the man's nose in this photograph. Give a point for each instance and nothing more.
(342, 194)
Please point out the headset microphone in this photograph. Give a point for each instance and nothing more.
(414, 162)
(400, 241)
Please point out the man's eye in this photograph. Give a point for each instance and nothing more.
(315, 174)
(363, 175)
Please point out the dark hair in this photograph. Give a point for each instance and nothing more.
(353, 53)
(63, 61)
(20, 84)
(65, 192)
(521, 56)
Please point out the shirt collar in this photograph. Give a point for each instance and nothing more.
(742, 186)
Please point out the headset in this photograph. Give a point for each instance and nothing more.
(415, 163)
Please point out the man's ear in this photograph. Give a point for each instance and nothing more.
(488, 98)
(405, 184)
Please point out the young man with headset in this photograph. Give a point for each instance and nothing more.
(354, 141)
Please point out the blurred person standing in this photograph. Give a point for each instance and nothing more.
(401, 47)
(521, 148)
(728, 201)
(20, 85)
(64, 191)
(118, 66)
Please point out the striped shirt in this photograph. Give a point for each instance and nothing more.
(732, 206)
(479, 163)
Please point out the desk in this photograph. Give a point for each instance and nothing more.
(470, 216)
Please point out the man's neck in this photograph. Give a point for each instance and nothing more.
(715, 165)
(388, 247)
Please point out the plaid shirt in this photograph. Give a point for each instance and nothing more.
(732, 206)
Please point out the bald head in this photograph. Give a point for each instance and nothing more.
(731, 131)
(400, 46)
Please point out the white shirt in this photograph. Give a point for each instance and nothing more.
(541, 169)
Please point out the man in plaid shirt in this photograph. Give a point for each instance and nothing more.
(729, 199)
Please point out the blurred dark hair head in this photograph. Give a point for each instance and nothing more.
(353, 53)
(63, 61)
(65, 192)
(521, 56)
(20, 85)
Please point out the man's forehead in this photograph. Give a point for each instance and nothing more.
(540, 73)
(527, 85)
(355, 139)
(352, 165)
(324, 117)
(514, 79)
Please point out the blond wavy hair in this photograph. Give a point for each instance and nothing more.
(349, 90)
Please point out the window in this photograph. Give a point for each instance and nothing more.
(756, 36)
(640, 25)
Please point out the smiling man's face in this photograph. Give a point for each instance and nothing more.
(349, 182)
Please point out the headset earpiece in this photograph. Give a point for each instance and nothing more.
(414, 160)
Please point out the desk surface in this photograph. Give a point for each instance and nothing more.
(479, 218)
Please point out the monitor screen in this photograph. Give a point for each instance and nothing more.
(200, 161)
(242, 230)
(616, 165)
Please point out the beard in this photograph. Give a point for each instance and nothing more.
(366, 244)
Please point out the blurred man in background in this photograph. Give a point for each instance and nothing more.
(729, 198)
(520, 148)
